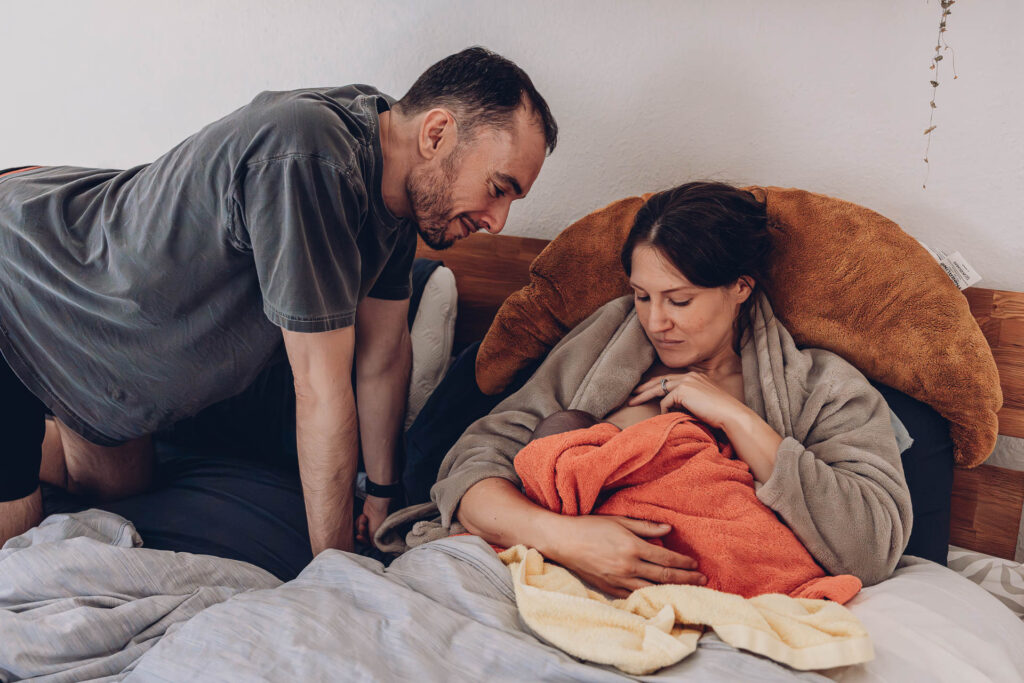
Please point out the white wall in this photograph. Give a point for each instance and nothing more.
(828, 96)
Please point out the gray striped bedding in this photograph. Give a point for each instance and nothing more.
(81, 600)
(1003, 579)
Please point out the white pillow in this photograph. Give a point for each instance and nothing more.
(433, 332)
(928, 623)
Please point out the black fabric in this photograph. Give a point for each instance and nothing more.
(422, 269)
(257, 425)
(215, 506)
(22, 425)
(928, 466)
(456, 403)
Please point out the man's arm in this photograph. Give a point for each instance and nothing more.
(383, 362)
(327, 432)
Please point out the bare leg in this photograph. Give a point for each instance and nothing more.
(106, 473)
(18, 516)
(53, 469)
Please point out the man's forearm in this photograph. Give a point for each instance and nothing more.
(327, 436)
(382, 386)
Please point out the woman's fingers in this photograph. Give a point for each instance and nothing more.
(645, 396)
(656, 573)
(644, 528)
(666, 558)
(668, 403)
(624, 585)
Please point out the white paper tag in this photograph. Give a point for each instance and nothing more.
(956, 267)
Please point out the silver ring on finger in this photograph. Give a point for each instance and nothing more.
(664, 386)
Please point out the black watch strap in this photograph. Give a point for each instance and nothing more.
(382, 490)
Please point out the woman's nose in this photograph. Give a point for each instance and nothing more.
(657, 320)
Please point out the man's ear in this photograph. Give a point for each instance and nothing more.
(437, 132)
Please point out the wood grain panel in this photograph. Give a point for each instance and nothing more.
(987, 504)
(1001, 317)
(980, 301)
(1011, 421)
(1011, 333)
(487, 269)
(1008, 305)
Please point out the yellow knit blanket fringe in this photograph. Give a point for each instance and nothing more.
(659, 625)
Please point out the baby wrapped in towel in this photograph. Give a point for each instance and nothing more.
(676, 470)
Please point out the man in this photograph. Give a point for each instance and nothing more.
(130, 299)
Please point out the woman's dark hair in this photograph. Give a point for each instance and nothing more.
(712, 233)
(483, 88)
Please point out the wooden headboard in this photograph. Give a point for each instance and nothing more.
(987, 500)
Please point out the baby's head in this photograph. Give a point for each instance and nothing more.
(563, 421)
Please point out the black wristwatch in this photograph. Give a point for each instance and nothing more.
(382, 490)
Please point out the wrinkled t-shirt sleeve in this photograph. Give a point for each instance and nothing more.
(395, 281)
(302, 215)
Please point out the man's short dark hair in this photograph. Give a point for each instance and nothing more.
(483, 88)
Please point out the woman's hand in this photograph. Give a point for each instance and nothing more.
(753, 439)
(693, 392)
(374, 511)
(610, 553)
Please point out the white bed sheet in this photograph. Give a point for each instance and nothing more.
(928, 623)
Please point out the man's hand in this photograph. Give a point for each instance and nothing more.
(374, 511)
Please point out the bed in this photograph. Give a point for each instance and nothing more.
(80, 600)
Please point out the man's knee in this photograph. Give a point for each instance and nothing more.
(563, 421)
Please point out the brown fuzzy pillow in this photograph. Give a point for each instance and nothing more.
(844, 278)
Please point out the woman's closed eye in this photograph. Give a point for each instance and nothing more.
(645, 297)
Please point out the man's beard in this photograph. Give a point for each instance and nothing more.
(431, 200)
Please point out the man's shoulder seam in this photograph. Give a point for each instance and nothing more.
(341, 168)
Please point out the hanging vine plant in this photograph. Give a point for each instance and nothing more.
(941, 46)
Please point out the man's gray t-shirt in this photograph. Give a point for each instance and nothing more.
(130, 299)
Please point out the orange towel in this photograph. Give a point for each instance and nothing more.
(672, 469)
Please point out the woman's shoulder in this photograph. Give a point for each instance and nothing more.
(605, 319)
(830, 371)
(819, 368)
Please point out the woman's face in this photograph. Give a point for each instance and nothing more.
(686, 324)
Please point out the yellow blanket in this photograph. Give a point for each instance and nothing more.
(660, 625)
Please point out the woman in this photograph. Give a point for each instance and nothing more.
(696, 335)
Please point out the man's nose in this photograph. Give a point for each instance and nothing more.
(497, 217)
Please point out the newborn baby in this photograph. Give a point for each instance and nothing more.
(676, 470)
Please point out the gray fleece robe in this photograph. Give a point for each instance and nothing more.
(838, 479)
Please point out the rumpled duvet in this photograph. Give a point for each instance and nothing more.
(78, 601)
